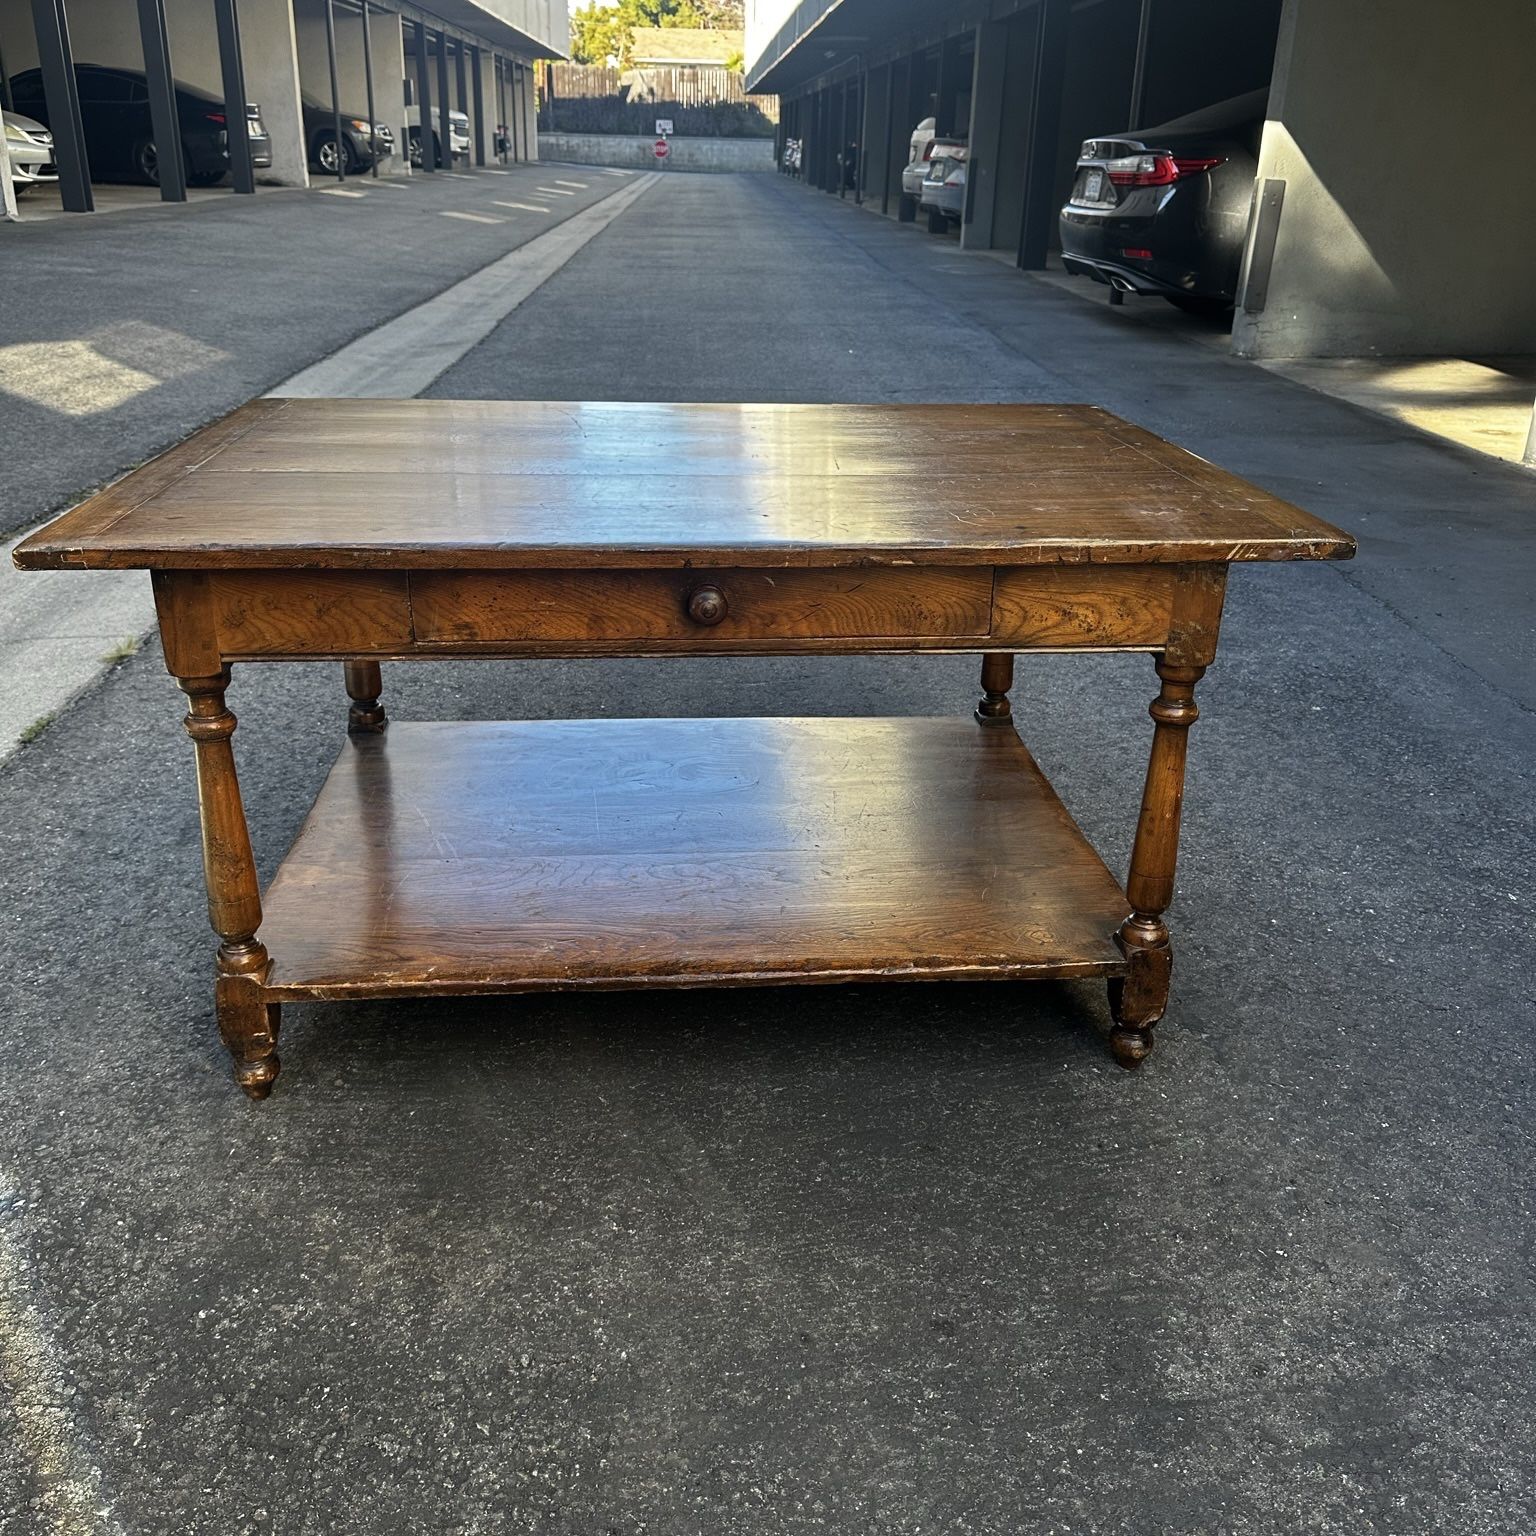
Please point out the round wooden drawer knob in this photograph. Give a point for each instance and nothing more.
(707, 605)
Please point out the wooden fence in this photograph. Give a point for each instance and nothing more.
(698, 85)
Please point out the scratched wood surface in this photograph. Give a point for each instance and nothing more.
(420, 484)
(510, 856)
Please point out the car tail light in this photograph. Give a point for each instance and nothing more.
(1158, 170)
(1137, 253)
(215, 117)
(928, 152)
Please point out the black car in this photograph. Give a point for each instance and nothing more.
(1165, 210)
(119, 136)
(361, 145)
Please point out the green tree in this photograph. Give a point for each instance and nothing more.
(602, 34)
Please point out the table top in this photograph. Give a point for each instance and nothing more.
(406, 484)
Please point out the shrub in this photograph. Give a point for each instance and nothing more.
(612, 114)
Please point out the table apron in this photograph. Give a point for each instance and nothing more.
(209, 618)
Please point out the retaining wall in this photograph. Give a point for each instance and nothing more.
(638, 153)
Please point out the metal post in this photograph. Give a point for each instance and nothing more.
(890, 128)
(1040, 200)
(164, 122)
(458, 71)
(424, 101)
(330, 58)
(63, 99)
(232, 67)
(6, 103)
(373, 137)
(1139, 72)
(861, 157)
(517, 70)
(499, 65)
(444, 122)
(479, 112)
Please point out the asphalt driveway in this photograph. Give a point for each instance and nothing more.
(888, 1260)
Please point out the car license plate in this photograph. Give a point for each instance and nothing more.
(1093, 187)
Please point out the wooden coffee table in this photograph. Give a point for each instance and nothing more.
(450, 859)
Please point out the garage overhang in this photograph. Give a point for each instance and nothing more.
(514, 25)
(821, 36)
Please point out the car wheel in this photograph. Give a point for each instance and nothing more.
(147, 162)
(906, 209)
(1200, 304)
(937, 223)
(326, 156)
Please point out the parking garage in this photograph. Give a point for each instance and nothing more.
(1380, 221)
(335, 88)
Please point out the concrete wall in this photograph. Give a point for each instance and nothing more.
(637, 153)
(1405, 227)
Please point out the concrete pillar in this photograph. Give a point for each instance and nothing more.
(1441, 92)
(271, 52)
(986, 133)
(386, 31)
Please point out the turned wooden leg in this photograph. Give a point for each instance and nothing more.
(1138, 999)
(996, 680)
(248, 1024)
(364, 685)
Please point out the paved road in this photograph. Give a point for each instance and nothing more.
(139, 325)
(879, 1260)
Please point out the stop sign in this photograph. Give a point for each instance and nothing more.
(663, 149)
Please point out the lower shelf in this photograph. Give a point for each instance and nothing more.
(464, 858)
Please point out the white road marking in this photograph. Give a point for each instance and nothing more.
(555, 191)
(579, 185)
(477, 218)
(340, 192)
(525, 207)
(405, 356)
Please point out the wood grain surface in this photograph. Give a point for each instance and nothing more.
(467, 608)
(491, 857)
(423, 484)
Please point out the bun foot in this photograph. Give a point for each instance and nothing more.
(1130, 1047)
(257, 1077)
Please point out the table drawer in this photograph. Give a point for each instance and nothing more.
(712, 607)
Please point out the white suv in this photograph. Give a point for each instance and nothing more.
(458, 132)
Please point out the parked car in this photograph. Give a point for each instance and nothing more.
(119, 136)
(30, 146)
(1165, 210)
(458, 133)
(942, 191)
(926, 143)
(361, 144)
